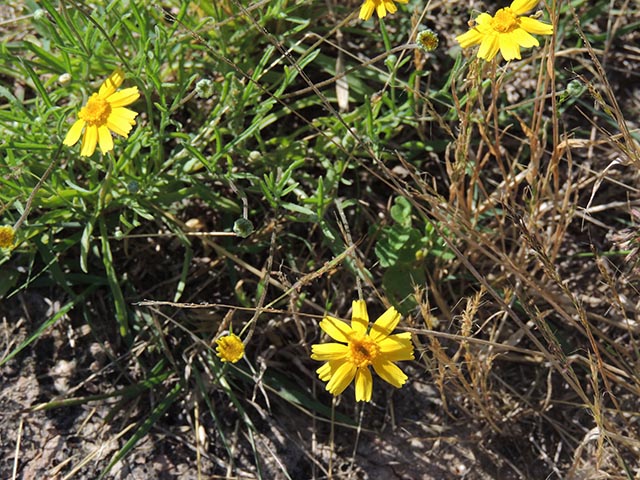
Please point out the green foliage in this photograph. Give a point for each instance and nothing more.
(247, 186)
(405, 252)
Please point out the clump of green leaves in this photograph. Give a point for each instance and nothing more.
(406, 251)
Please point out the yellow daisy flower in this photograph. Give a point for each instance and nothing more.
(230, 348)
(380, 6)
(361, 347)
(506, 31)
(104, 113)
(7, 236)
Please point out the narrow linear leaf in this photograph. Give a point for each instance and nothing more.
(118, 297)
(45, 325)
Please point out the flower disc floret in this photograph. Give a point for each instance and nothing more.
(427, 40)
(505, 21)
(362, 351)
(359, 346)
(96, 111)
(505, 32)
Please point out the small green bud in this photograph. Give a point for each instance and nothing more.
(133, 187)
(64, 79)
(427, 40)
(390, 61)
(204, 88)
(575, 88)
(243, 227)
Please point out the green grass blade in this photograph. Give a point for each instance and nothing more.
(122, 314)
(42, 328)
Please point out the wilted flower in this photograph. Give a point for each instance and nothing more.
(360, 347)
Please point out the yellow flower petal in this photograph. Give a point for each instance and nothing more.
(536, 27)
(390, 6)
(364, 385)
(111, 84)
(489, 47)
(390, 373)
(74, 133)
(470, 38)
(326, 371)
(123, 97)
(125, 114)
(523, 39)
(366, 10)
(336, 329)
(396, 348)
(89, 141)
(521, 7)
(381, 7)
(483, 21)
(359, 316)
(328, 351)
(385, 324)
(341, 378)
(509, 48)
(121, 121)
(104, 139)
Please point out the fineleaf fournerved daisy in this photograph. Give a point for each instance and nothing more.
(427, 40)
(381, 7)
(506, 31)
(230, 348)
(7, 236)
(104, 113)
(361, 347)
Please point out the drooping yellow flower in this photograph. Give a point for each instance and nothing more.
(7, 236)
(381, 7)
(506, 31)
(230, 348)
(361, 347)
(104, 113)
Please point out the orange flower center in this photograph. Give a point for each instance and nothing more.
(505, 21)
(362, 351)
(96, 111)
